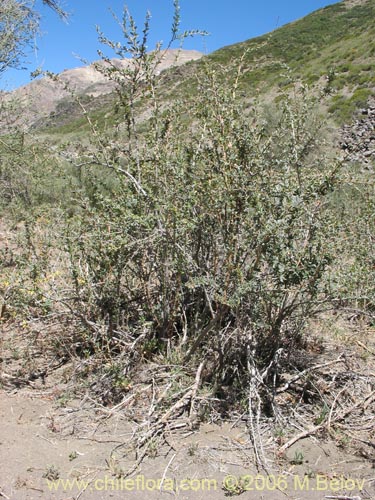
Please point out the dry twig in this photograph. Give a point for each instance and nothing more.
(323, 425)
(196, 387)
(165, 471)
(365, 347)
(343, 497)
(286, 386)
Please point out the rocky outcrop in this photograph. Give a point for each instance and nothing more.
(46, 96)
(358, 139)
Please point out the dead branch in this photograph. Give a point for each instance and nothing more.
(332, 407)
(286, 386)
(364, 441)
(323, 425)
(196, 387)
(343, 497)
(177, 406)
(302, 435)
(165, 471)
(214, 321)
(365, 347)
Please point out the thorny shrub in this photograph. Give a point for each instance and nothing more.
(194, 230)
(214, 240)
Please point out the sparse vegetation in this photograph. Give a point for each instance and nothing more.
(298, 458)
(52, 473)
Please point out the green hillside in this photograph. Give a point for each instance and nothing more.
(334, 45)
(327, 38)
(332, 48)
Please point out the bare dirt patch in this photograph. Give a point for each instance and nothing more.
(57, 445)
(42, 444)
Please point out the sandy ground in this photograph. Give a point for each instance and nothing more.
(43, 446)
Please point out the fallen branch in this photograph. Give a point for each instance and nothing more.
(196, 387)
(323, 425)
(286, 386)
(177, 406)
(368, 443)
(365, 347)
(332, 407)
(158, 426)
(302, 435)
(165, 471)
(342, 497)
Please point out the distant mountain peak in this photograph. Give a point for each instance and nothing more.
(41, 97)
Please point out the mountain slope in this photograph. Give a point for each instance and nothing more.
(47, 96)
(332, 48)
(334, 45)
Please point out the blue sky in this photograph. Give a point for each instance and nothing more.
(63, 44)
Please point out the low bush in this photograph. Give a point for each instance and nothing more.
(216, 238)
